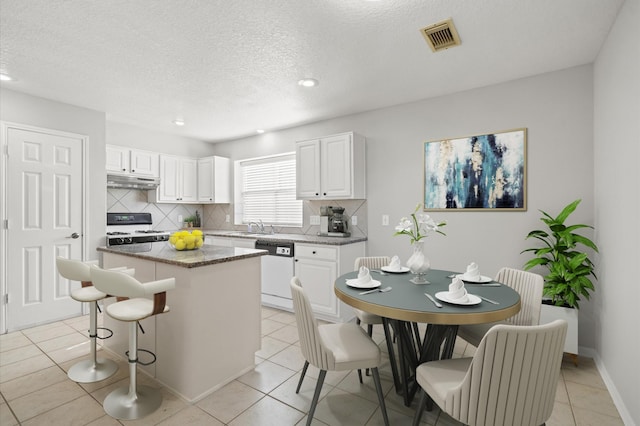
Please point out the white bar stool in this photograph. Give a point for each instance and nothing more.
(132, 402)
(93, 369)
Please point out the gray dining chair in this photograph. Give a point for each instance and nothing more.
(333, 347)
(529, 286)
(511, 379)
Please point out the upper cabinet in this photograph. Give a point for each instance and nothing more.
(214, 180)
(194, 181)
(331, 167)
(178, 180)
(122, 160)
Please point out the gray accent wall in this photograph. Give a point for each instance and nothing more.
(613, 316)
(557, 110)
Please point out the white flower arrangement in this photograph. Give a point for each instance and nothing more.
(418, 226)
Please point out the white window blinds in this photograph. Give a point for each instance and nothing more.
(268, 191)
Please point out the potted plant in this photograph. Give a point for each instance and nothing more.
(569, 269)
(189, 222)
(193, 221)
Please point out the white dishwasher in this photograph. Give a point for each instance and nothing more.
(277, 270)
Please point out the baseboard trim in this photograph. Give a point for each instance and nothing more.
(613, 391)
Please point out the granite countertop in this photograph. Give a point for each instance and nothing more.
(288, 238)
(164, 253)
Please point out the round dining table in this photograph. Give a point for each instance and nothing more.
(405, 305)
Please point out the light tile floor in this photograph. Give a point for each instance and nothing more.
(36, 391)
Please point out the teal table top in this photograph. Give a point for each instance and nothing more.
(407, 302)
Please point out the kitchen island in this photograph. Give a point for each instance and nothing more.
(213, 329)
(316, 260)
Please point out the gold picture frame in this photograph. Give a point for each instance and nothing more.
(477, 173)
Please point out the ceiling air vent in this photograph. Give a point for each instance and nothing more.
(442, 35)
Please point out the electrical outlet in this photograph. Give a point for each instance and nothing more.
(385, 220)
(314, 220)
(354, 220)
(228, 219)
(180, 218)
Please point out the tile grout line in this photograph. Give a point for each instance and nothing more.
(439, 417)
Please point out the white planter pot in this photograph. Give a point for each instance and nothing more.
(549, 313)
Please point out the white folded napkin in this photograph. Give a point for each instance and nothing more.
(395, 264)
(472, 273)
(457, 292)
(364, 277)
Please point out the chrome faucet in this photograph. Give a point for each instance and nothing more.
(259, 224)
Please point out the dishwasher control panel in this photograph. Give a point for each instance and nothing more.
(275, 248)
(283, 251)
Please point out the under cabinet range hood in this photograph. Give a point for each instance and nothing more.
(132, 182)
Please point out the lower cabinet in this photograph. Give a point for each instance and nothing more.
(317, 267)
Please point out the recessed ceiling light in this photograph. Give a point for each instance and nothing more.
(178, 122)
(5, 77)
(259, 130)
(308, 82)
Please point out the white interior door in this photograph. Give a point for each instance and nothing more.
(44, 210)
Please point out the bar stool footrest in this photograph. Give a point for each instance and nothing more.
(104, 337)
(138, 360)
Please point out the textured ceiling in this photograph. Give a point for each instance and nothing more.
(228, 67)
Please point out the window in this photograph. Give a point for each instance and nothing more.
(266, 190)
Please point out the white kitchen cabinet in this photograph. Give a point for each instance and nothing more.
(331, 167)
(214, 183)
(122, 160)
(317, 267)
(178, 180)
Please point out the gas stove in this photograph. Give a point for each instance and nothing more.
(132, 228)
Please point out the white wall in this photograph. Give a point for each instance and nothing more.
(557, 109)
(132, 136)
(21, 108)
(617, 205)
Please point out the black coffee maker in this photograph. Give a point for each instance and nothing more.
(338, 223)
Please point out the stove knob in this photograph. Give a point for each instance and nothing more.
(128, 240)
(120, 240)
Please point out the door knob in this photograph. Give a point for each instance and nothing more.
(74, 235)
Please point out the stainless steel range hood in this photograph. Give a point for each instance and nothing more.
(132, 182)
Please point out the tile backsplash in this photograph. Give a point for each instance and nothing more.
(165, 215)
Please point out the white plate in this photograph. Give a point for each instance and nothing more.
(402, 270)
(472, 299)
(482, 279)
(355, 284)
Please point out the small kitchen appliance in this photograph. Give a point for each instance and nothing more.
(132, 228)
(338, 223)
(333, 222)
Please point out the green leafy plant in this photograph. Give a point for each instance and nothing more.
(568, 268)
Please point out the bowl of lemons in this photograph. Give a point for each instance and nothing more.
(185, 240)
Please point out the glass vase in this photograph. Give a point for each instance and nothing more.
(418, 264)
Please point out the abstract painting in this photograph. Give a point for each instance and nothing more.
(477, 172)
